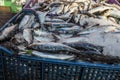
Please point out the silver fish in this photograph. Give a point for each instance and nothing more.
(53, 56)
(99, 9)
(35, 25)
(18, 38)
(52, 47)
(64, 36)
(43, 39)
(54, 26)
(8, 32)
(56, 9)
(73, 39)
(90, 22)
(27, 35)
(26, 21)
(54, 20)
(70, 30)
(36, 6)
(41, 16)
(99, 29)
(81, 45)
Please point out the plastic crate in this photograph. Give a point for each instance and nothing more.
(14, 67)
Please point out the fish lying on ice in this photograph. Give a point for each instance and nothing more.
(27, 35)
(8, 32)
(53, 56)
(84, 46)
(52, 47)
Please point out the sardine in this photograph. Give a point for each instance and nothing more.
(43, 39)
(99, 9)
(18, 39)
(99, 29)
(54, 20)
(53, 56)
(90, 22)
(71, 30)
(114, 13)
(56, 9)
(27, 21)
(8, 32)
(73, 39)
(35, 25)
(27, 35)
(41, 16)
(84, 46)
(52, 47)
(24, 21)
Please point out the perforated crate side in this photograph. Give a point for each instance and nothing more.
(17, 68)
(2, 76)
(61, 72)
(100, 74)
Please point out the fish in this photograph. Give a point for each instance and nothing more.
(72, 39)
(35, 7)
(99, 29)
(99, 9)
(109, 41)
(41, 16)
(18, 38)
(54, 20)
(26, 21)
(39, 32)
(64, 36)
(90, 22)
(69, 30)
(27, 35)
(114, 13)
(35, 25)
(58, 25)
(85, 46)
(43, 39)
(74, 1)
(52, 47)
(53, 55)
(8, 32)
(57, 8)
(53, 26)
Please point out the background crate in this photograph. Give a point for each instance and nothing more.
(14, 67)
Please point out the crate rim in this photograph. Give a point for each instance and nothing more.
(55, 61)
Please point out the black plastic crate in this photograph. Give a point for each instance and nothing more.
(14, 67)
(35, 68)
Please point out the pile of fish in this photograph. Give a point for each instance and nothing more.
(85, 30)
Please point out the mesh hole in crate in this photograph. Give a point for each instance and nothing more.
(22, 69)
(100, 74)
(61, 72)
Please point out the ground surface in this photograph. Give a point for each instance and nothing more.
(4, 17)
